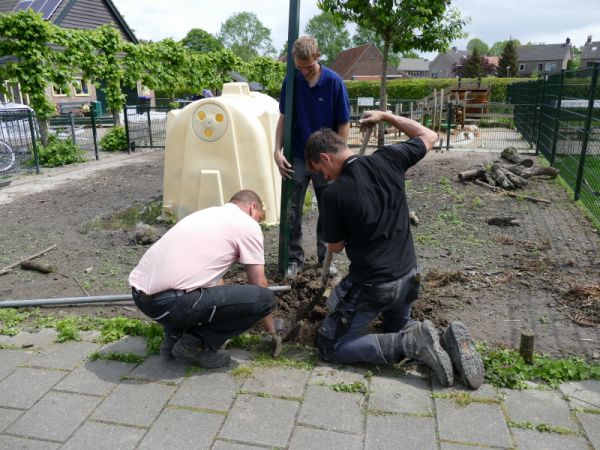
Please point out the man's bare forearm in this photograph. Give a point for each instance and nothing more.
(408, 126)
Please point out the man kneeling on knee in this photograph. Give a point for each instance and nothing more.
(178, 282)
(365, 212)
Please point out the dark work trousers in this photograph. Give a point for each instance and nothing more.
(213, 314)
(300, 180)
(352, 307)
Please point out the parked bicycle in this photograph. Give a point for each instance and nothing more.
(7, 157)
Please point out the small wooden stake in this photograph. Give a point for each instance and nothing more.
(526, 347)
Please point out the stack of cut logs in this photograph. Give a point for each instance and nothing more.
(501, 176)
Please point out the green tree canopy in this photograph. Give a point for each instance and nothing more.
(426, 25)
(496, 49)
(199, 40)
(478, 44)
(472, 67)
(507, 63)
(246, 36)
(331, 34)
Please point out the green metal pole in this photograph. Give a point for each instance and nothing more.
(449, 126)
(286, 184)
(126, 128)
(36, 155)
(557, 116)
(541, 110)
(587, 130)
(94, 132)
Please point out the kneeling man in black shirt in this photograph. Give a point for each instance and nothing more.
(365, 211)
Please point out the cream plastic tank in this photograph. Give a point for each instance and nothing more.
(217, 146)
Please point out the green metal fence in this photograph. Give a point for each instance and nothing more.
(146, 126)
(559, 115)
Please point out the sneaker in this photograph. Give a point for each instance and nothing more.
(190, 348)
(420, 342)
(169, 340)
(293, 270)
(467, 362)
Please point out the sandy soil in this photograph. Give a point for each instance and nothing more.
(542, 275)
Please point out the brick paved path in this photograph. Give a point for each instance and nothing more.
(53, 396)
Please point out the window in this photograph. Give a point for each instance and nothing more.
(81, 87)
(550, 67)
(521, 67)
(58, 92)
(540, 67)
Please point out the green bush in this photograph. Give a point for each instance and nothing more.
(58, 153)
(115, 140)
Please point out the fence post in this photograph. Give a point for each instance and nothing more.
(149, 125)
(94, 133)
(72, 124)
(541, 108)
(127, 128)
(557, 117)
(448, 126)
(36, 155)
(587, 130)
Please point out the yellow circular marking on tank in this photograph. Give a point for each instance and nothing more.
(210, 121)
(201, 115)
(208, 132)
(219, 117)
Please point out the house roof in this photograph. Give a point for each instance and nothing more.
(493, 60)
(591, 50)
(543, 52)
(253, 85)
(344, 62)
(413, 65)
(65, 6)
(456, 55)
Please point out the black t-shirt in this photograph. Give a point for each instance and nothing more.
(366, 207)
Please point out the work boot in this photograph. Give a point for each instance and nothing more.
(271, 343)
(467, 362)
(191, 348)
(293, 270)
(169, 340)
(420, 342)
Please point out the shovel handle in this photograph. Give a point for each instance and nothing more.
(326, 265)
(365, 141)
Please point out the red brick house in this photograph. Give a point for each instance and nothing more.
(362, 63)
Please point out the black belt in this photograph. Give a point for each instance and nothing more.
(169, 293)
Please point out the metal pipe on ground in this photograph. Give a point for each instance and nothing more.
(94, 299)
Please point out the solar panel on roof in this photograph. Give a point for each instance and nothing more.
(45, 7)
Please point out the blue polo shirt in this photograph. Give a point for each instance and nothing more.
(325, 105)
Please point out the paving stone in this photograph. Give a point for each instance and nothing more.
(583, 394)
(226, 445)
(134, 404)
(538, 407)
(128, 344)
(239, 356)
(304, 438)
(591, 425)
(476, 423)
(55, 417)
(157, 368)
(25, 386)
(328, 375)
(178, 428)
(42, 339)
(208, 390)
(407, 394)
(445, 446)
(95, 377)
(534, 440)
(266, 421)
(11, 443)
(486, 391)
(90, 335)
(63, 356)
(278, 381)
(395, 432)
(104, 436)
(11, 359)
(335, 411)
(8, 416)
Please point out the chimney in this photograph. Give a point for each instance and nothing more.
(568, 41)
(589, 39)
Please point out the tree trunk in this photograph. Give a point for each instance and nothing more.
(44, 126)
(116, 118)
(513, 156)
(383, 93)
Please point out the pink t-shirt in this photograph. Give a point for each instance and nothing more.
(199, 250)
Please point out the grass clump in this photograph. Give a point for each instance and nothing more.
(117, 356)
(506, 368)
(356, 387)
(10, 318)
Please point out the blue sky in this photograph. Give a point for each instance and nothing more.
(549, 21)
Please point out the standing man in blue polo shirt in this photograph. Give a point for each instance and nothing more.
(320, 101)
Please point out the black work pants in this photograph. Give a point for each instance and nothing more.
(213, 314)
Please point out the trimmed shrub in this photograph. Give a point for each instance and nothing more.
(58, 153)
(115, 140)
